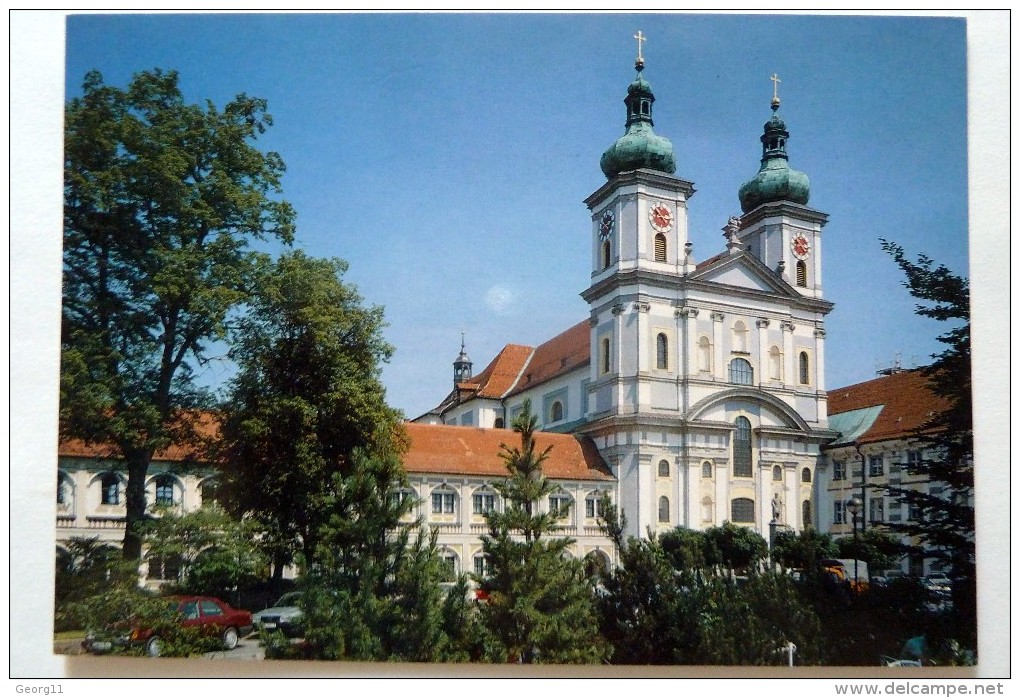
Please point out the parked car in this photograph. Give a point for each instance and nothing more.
(937, 583)
(284, 615)
(211, 615)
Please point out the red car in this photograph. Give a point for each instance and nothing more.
(215, 617)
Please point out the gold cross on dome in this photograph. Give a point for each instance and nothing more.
(775, 87)
(640, 37)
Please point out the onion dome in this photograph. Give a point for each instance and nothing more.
(639, 147)
(775, 181)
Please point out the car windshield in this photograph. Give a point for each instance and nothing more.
(290, 599)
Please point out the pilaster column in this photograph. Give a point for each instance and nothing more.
(789, 367)
(819, 359)
(689, 317)
(718, 369)
(763, 350)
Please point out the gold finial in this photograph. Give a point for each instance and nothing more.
(775, 88)
(640, 37)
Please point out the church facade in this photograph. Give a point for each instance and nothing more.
(701, 384)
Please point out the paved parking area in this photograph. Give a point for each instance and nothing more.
(248, 649)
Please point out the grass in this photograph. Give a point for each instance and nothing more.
(68, 635)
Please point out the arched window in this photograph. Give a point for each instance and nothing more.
(707, 469)
(597, 561)
(777, 473)
(802, 361)
(164, 491)
(742, 448)
(663, 509)
(65, 491)
(559, 505)
(593, 505)
(775, 364)
(742, 510)
(481, 565)
(801, 274)
(209, 490)
(707, 510)
(805, 513)
(705, 354)
(448, 563)
(110, 484)
(607, 256)
(483, 501)
(663, 468)
(604, 355)
(741, 372)
(444, 501)
(739, 336)
(805, 475)
(556, 411)
(660, 247)
(498, 424)
(164, 567)
(661, 352)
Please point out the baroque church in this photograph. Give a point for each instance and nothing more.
(701, 385)
(692, 394)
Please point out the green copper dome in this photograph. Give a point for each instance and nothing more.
(639, 147)
(775, 181)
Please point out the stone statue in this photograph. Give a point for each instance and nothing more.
(777, 509)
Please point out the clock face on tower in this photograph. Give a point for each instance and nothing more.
(660, 217)
(801, 247)
(606, 225)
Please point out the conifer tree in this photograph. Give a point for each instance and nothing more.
(942, 519)
(540, 606)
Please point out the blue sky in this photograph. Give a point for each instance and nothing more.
(446, 156)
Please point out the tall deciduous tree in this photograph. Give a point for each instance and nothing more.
(161, 201)
(312, 451)
(306, 400)
(943, 522)
(540, 605)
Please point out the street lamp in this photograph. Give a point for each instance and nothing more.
(854, 506)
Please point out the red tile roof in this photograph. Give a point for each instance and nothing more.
(501, 374)
(564, 352)
(441, 449)
(907, 400)
(206, 428)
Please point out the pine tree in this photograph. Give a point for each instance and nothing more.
(943, 523)
(540, 606)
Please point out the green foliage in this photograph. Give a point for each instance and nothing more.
(879, 549)
(218, 555)
(734, 548)
(944, 524)
(686, 549)
(750, 624)
(161, 201)
(664, 604)
(802, 551)
(116, 614)
(84, 569)
(540, 606)
(307, 396)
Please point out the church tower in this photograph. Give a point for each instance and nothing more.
(461, 365)
(640, 252)
(777, 226)
(705, 392)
